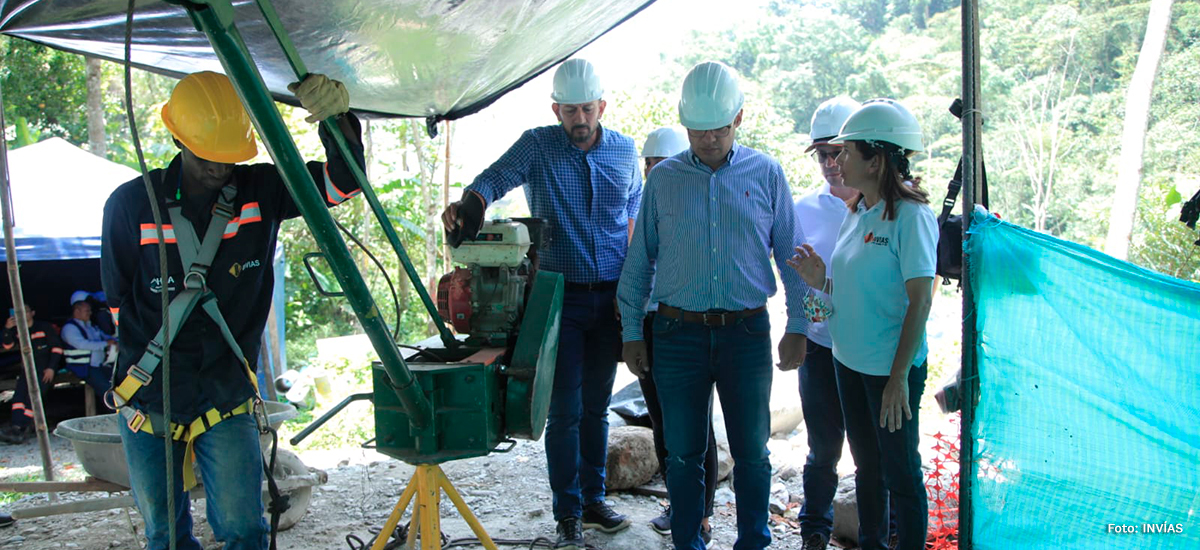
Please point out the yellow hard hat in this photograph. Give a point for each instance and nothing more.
(205, 114)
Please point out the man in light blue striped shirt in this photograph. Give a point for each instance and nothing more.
(586, 181)
(711, 218)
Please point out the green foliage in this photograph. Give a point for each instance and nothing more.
(45, 87)
(1054, 81)
(311, 316)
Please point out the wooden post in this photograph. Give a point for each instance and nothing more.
(14, 281)
(447, 265)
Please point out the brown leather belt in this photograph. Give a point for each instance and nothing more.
(708, 318)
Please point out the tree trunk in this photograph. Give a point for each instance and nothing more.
(95, 109)
(426, 167)
(1133, 138)
(447, 265)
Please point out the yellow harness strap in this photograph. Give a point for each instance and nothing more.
(188, 433)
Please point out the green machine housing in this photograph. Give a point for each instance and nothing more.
(482, 394)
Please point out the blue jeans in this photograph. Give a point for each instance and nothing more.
(577, 427)
(654, 409)
(888, 463)
(228, 462)
(826, 432)
(688, 360)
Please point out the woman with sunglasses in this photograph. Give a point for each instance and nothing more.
(880, 285)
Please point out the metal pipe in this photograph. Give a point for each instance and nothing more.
(972, 164)
(18, 296)
(301, 71)
(215, 19)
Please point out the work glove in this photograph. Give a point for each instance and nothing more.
(463, 219)
(321, 97)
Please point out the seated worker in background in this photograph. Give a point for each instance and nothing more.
(47, 356)
(88, 346)
(660, 145)
(102, 317)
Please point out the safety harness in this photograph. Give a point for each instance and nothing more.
(197, 256)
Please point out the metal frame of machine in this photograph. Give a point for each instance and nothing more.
(494, 385)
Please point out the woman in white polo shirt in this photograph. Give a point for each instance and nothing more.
(883, 266)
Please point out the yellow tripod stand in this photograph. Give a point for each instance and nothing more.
(427, 485)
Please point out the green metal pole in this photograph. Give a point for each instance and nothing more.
(972, 164)
(298, 66)
(215, 19)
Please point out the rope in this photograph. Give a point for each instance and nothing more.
(164, 276)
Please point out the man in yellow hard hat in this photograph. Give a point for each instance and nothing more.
(221, 221)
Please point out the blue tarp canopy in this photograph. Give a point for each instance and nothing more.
(436, 59)
(58, 194)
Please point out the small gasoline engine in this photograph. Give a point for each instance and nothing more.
(486, 299)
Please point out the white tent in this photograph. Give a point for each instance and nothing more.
(58, 195)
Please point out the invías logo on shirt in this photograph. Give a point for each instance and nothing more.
(872, 239)
(237, 269)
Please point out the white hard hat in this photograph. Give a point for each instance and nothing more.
(79, 296)
(711, 98)
(827, 120)
(882, 120)
(665, 142)
(576, 82)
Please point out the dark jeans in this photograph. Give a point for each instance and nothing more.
(823, 421)
(577, 427)
(650, 393)
(22, 411)
(99, 379)
(888, 463)
(689, 359)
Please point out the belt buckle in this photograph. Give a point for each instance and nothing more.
(135, 423)
(718, 315)
(140, 375)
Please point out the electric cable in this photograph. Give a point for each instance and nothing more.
(386, 277)
(399, 537)
(164, 276)
(424, 351)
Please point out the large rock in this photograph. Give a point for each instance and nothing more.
(845, 511)
(631, 458)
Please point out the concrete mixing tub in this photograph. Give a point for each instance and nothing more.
(97, 443)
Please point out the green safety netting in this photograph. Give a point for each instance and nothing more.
(1089, 411)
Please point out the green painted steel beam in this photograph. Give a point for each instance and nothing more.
(216, 19)
(301, 71)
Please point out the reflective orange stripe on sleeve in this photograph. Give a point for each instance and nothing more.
(150, 233)
(334, 195)
(250, 213)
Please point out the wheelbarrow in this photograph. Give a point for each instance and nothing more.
(97, 445)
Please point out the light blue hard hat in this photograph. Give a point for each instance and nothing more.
(576, 82)
(711, 98)
(79, 296)
(665, 142)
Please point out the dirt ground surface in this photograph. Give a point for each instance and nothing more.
(509, 492)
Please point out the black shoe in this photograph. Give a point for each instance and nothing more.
(816, 541)
(6, 520)
(570, 535)
(16, 435)
(600, 516)
(662, 524)
(706, 536)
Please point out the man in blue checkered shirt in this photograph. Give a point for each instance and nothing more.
(586, 181)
